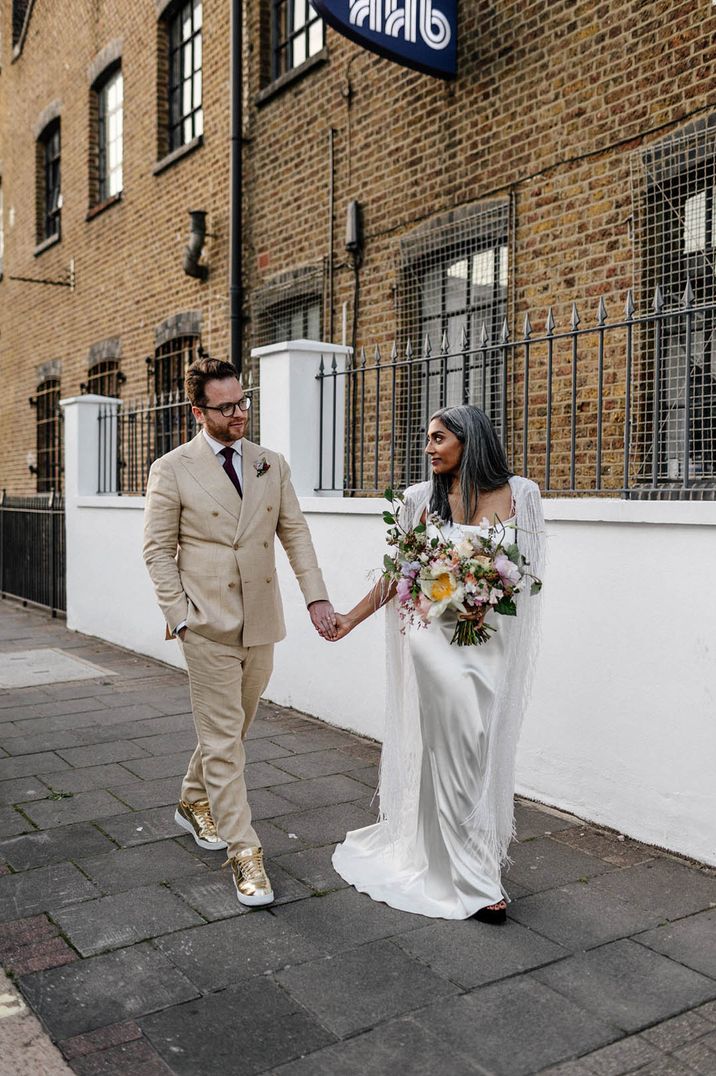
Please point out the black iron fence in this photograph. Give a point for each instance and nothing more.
(620, 408)
(32, 549)
(132, 436)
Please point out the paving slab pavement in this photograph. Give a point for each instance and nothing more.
(126, 941)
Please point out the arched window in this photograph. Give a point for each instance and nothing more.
(48, 435)
(104, 378)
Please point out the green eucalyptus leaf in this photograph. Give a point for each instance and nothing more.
(506, 607)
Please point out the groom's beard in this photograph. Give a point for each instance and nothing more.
(225, 431)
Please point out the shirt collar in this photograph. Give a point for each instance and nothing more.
(217, 447)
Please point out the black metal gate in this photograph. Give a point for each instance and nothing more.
(32, 549)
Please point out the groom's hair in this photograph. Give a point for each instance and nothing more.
(201, 371)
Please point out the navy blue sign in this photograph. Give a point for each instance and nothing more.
(416, 33)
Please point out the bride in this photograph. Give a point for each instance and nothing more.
(453, 713)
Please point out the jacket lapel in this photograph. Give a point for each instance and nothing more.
(252, 487)
(201, 463)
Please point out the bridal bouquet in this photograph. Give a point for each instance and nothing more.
(469, 576)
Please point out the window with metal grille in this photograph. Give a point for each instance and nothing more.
(48, 436)
(174, 420)
(675, 229)
(185, 112)
(50, 201)
(104, 378)
(453, 297)
(297, 34)
(110, 116)
(295, 318)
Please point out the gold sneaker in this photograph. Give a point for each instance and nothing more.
(198, 820)
(250, 878)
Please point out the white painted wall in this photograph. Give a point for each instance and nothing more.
(622, 725)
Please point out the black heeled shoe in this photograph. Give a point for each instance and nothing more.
(491, 915)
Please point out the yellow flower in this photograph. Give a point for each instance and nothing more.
(443, 587)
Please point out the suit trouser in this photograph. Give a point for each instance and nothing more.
(226, 683)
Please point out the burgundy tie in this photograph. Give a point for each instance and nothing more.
(228, 465)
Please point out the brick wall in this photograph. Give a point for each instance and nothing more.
(551, 102)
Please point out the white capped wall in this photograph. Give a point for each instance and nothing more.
(622, 725)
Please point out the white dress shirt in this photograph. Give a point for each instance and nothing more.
(237, 460)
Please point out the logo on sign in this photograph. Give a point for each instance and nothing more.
(413, 18)
(416, 33)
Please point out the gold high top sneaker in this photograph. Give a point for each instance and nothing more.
(250, 878)
(198, 820)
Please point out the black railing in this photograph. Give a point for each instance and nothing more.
(132, 436)
(32, 550)
(601, 409)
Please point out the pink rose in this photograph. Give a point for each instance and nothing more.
(403, 590)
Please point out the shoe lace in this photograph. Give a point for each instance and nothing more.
(252, 867)
(203, 814)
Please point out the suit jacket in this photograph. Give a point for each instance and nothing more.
(210, 553)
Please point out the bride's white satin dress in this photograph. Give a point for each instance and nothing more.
(436, 872)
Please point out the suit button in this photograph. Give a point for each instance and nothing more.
(269, 508)
(265, 545)
(236, 545)
(268, 580)
(214, 513)
(231, 586)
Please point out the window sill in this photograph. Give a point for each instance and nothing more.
(290, 77)
(98, 209)
(177, 154)
(46, 244)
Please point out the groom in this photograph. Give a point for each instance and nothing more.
(214, 508)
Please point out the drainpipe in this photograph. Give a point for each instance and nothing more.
(236, 296)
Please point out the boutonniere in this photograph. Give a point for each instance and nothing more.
(261, 466)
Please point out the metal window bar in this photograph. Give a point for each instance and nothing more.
(48, 436)
(133, 436)
(578, 410)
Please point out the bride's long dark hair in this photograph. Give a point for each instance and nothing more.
(483, 465)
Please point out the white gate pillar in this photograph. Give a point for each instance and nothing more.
(302, 415)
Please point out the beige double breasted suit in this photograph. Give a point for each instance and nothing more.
(210, 555)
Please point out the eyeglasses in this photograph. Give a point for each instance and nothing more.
(228, 410)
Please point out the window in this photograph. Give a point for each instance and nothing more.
(289, 307)
(174, 424)
(675, 214)
(48, 435)
(185, 114)
(297, 34)
(104, 378)
(110, 109)
(453, 281)
(49, 196)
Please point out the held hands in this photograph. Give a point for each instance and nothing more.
(343, 626)
(323, 618)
